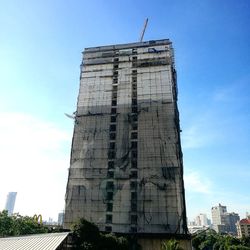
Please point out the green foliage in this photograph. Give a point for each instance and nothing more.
(170, 245)
(212, 241)
(19, 225)
(86, 236)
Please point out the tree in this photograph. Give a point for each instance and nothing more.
(210, 240)
(170, 245)
(19, 225)
(86, 236)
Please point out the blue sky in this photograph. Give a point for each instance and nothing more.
(40, 53)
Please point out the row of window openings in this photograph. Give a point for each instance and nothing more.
(133, 174)
(114, 92)
(112, 152)
(133, 218)
(110, 187)
(134, 87)
(111, 166)
(133, 229)
(133, 207)
(114, 108)
(134, 124)
(134, 104)
(116, 66)
(112, 136)
(112, 129)
(133, 196)
(133, 120)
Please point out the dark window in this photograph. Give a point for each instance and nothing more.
(114, 88)
(134, 126)
(133, 229)
(134, 164)
(133, 196)
(133, 206)
(134, 102)
(115, 73)
(111, 164)
(133, 174)
(108, 229)
(115, 66)
(111, 154)
(134, 117)
(110, 196)
(112, 136)
(134, 85)
(110, 185)
(113, 118)
(134, 94)
(134, 51)
(116, 59)
(134, 71)
(108, 218)
(113, 110)
(110, 174)
(134, 135)
(133, 219)
(134, 79)
(112, 145)
(109, 207)
(114, 95)
(115, 80)
(134, 109)
(134, 154)
(134, 58)
(112, 127)
(133, 185)
(134, 144)
(134, 88)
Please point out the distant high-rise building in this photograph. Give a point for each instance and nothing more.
(201, 220)
(218, 214)
(60, 218)
(223, 221)
(10, 202)
(126, 172)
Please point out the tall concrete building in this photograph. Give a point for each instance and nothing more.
(10, 202)
(126, 170)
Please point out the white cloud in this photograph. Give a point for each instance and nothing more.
(196, 183)
(34, 162)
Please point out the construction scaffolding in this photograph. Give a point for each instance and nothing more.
(126, 170)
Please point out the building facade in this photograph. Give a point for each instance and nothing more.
(243, 228)
(10, 202)
(126, 170)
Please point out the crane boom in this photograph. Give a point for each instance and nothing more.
(144, 28)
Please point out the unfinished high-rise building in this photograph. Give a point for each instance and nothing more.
(126, 170)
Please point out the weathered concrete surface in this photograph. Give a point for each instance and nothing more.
(126, 172)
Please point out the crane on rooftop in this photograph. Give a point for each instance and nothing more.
(143, 31)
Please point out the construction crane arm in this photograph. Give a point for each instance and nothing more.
(144, 28)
